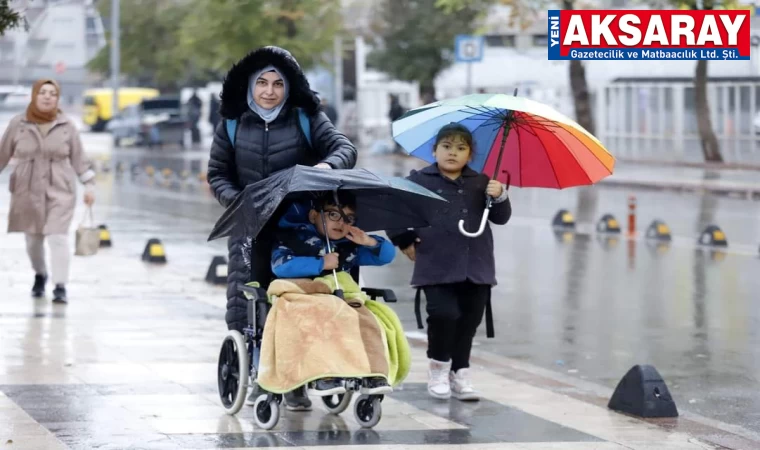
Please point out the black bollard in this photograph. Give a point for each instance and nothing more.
(154, 251)
(642, 392)
(713, 236)
(105, 236)
(608, 224)
(217, 271)
(563, 220)
(658, 231)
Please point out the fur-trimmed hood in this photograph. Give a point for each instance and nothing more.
(234, 88)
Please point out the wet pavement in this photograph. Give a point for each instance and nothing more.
(131, 361)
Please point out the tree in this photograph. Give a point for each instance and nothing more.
(218, 33)
(707, 138)
(9, 18)
(524, 13)
(149, 43)
(579, 87)
(418, 38)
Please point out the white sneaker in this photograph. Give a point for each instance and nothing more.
(461, 388)
(438, 379)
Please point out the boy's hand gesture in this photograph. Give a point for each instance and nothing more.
(330, 261)
(359, 237)
(494, 189)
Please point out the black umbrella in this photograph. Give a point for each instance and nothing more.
(382, 203)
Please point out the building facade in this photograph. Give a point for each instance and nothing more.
(62, 36)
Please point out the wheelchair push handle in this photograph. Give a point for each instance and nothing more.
(251, 292)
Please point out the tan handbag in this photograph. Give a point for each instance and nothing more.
(88, 238)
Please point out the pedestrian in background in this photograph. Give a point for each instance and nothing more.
(46, 145)
(329, 110)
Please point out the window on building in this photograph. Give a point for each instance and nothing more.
(500, 40)
(90, 25)
(7, 50)
(540, 40)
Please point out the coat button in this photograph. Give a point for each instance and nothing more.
(440, 191)
(460, 191)
(464, 211)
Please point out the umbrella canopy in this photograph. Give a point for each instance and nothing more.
(517, 141)
(381, 203)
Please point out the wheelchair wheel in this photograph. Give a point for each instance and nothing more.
(266, 412)
(368, 411)
(232, 372)
(337, 403)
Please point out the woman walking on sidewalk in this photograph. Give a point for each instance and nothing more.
(48, 151)
(455, 272)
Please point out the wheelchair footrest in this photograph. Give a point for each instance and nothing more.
(386, 294)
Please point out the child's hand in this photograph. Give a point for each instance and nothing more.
(411, 251)
(494, 189)
(358, 236)
(331, 261)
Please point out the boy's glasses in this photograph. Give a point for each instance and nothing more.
(336, 216)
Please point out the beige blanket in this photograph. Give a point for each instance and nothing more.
(311, 334)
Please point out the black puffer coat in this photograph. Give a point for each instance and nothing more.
(261, 150)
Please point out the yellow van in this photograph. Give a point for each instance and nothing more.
(98, 103)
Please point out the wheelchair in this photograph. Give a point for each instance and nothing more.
(239, 358)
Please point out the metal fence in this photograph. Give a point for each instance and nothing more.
(656, 119)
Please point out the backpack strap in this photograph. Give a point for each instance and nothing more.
(231, 130)
(489, 317)
(303, 120)
(417, 313)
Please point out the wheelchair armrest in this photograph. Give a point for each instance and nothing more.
(253, 293)
(386, 294)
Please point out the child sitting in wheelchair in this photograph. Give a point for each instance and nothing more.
(300, 251)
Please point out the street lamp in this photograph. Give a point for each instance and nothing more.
(115, 56)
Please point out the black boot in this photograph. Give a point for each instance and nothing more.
(59, 294)
(38, 290)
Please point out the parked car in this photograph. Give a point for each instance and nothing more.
(98, 104)
(152, 122)
(163, 122)
(125, 126)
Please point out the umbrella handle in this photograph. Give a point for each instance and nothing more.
(483, 221)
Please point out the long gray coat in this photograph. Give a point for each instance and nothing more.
(445, 255)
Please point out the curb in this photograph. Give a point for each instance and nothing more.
(697, 165)
(743, 190)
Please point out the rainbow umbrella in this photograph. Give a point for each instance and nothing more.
(517, 141)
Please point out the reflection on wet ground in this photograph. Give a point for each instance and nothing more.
(583, 304)
(593, 305)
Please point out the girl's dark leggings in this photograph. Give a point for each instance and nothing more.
(454, 314)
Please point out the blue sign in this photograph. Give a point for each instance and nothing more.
(469, 48)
